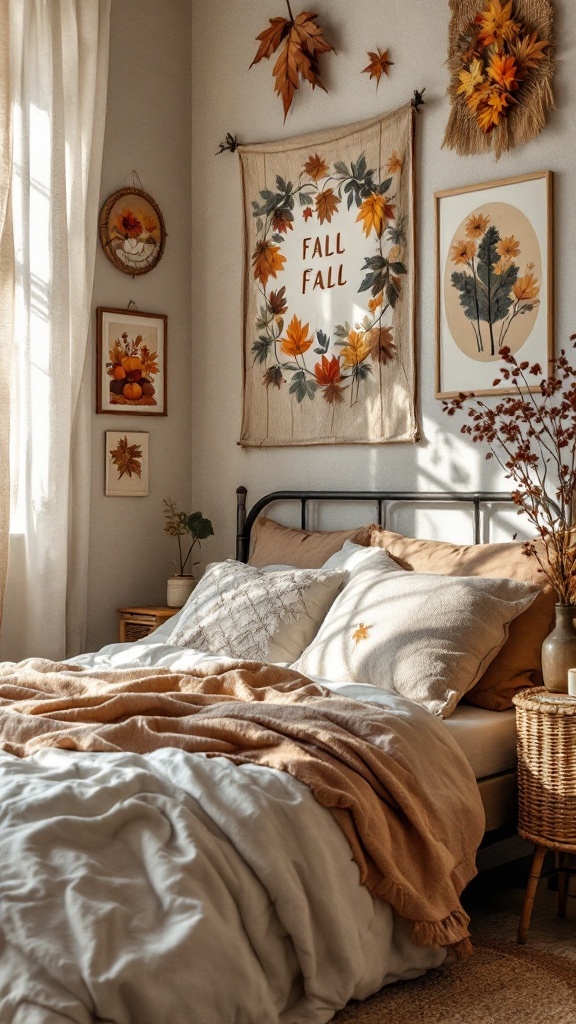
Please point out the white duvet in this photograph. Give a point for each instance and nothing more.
(177, 889)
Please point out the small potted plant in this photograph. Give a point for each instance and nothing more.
(194, 528)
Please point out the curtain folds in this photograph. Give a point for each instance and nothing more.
(59, 67)
(6, 291)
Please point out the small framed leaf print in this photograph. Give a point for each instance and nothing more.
(132, 232)
(131, 362)
(494, 278)
(127, 470)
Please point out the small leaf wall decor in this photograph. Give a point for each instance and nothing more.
(302, 41)
(379, 64)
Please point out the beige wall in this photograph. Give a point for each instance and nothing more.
(227, 96)
(147, 129)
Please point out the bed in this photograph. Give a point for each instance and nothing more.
(188, 835)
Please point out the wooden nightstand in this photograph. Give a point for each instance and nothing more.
(140, 620)
(546, 731)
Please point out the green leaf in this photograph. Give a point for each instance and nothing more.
(341, 167)
(198, 527)
(384, 186)
(464, 283)
(305, 199)
(261, 348)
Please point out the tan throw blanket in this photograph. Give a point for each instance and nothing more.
(403, 796)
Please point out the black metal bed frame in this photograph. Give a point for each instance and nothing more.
(245, 519)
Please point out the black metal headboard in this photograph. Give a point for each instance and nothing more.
(245, 520)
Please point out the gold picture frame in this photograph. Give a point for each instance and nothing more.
(131, 230)
(494, 280)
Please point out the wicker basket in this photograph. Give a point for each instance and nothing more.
(546, 730)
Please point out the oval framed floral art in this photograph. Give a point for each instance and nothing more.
(132, 232)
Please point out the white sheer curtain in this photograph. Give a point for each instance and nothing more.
(58, 77)
(6, 292)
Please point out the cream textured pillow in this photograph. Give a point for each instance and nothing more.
(270, 543)
(424, 636)
(518, 663)
(244, 612)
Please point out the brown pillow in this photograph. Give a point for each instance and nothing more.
(518, 663)
(273, 544)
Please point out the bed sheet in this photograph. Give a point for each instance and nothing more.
(129, 892)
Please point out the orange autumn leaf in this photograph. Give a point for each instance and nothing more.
(356, 350)
(526, 288)
(375, 211)
(277, 301)
(503, 70)
(394, 164)
(304, 42)
(376, 302)
(327, 203)
(496, 23)
(267, 261)
(282, 221)
(379, 64)
(297, 340)
(127, 458)
(329, 377)
(362, 632)
(528, 50)
(316, 167)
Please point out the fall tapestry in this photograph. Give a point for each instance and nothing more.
(501, 66)
(328, 292)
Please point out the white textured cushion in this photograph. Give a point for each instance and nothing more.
(425, 636)
(244, 612)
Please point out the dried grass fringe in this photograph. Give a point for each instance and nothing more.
(529, 117)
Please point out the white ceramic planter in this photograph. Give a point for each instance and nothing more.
(179, 590)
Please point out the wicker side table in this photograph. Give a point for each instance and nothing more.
(546, 738)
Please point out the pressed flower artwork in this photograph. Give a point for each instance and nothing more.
(493, 279)
(131, 362)
(328, 341)
(501, 66)
(132, 232)
(126, 464)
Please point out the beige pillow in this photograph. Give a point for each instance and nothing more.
(271, 544)
(425, 636)
(518, 663)
(244, 612)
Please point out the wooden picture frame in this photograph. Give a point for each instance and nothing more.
(127, 465)
(494, 280)
(131, 231)
(131, 362)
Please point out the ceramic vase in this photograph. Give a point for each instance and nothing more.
(559, 650)
(179, 590)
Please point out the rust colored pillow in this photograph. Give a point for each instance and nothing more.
(273, 544)
(518, 663)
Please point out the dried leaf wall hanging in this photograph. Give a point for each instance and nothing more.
(501, 66)
(302, 41)
(379, 64)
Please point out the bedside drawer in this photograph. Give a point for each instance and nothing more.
(140, 620)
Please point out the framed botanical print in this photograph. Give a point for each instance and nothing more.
(131, 362)
(494, 280)
(127, 473)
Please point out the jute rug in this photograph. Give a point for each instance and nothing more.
(502, 983)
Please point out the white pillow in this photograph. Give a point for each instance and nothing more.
(354, 558)
(244, 612)
(425, 636)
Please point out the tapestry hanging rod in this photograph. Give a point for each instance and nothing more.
(231, 143)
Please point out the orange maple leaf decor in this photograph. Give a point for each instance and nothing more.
(361, 633)
(127, 458)
(297, 340)
(379, 64)
(302, 42)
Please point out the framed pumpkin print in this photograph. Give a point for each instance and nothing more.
(131, 230)
(131, 362)
(494, 280)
